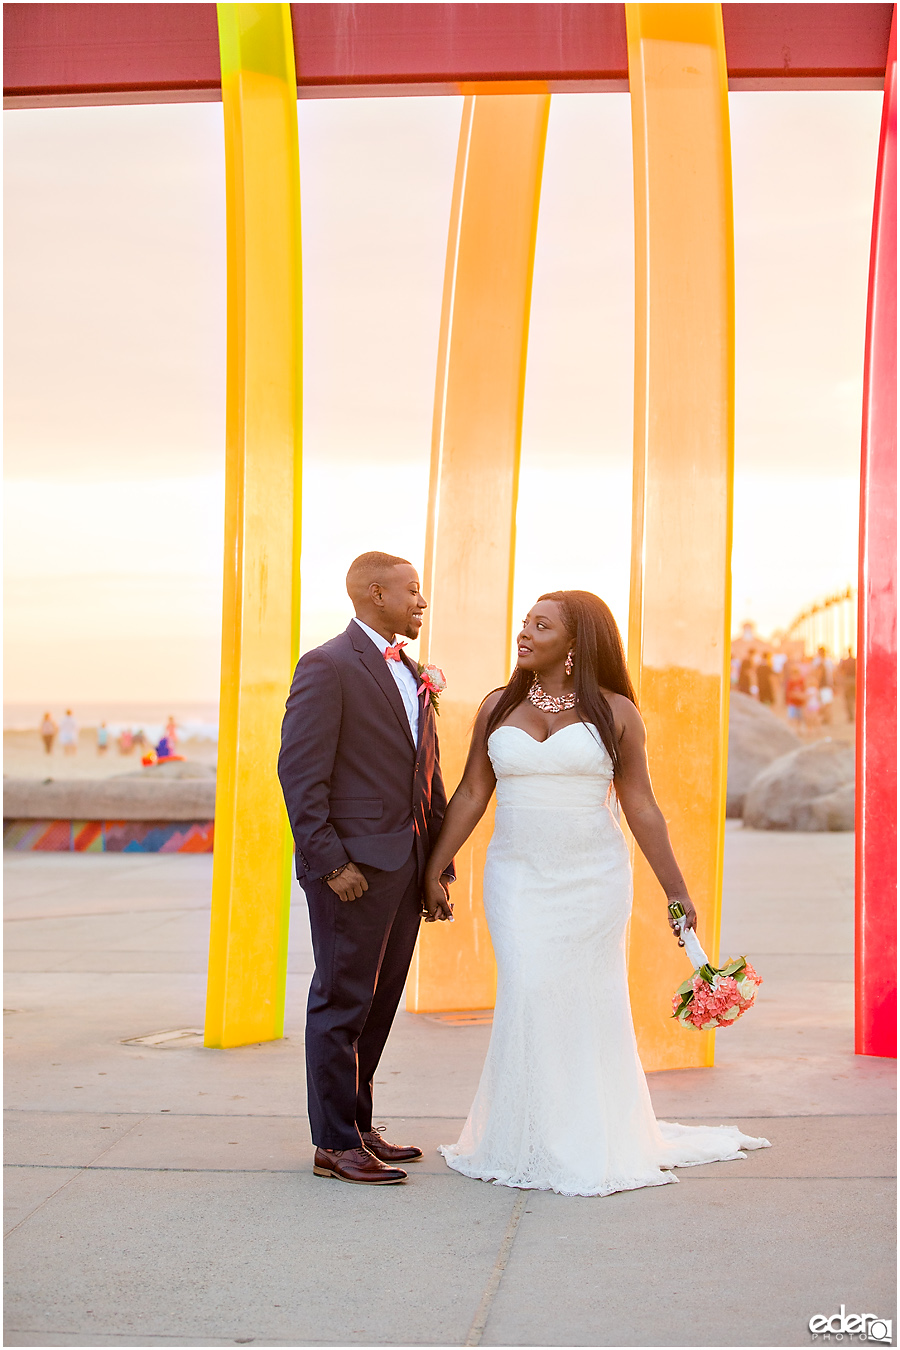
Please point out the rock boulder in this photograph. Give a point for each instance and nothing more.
(812, 788)
(756, 737)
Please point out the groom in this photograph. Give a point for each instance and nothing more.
(361, 777)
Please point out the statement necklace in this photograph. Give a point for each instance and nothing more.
(549, 702)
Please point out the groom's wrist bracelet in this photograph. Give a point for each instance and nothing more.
(330, 876)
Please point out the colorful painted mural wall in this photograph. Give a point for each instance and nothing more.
(108, 836)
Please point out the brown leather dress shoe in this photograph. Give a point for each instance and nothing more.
(356, 1165)
(389, 1153)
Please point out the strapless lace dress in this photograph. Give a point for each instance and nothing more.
(563, 1103)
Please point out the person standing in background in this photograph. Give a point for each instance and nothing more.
(847, 677)
(48, 732)
(125, 741)
(68, 733)
(794, 692)
(765, 679)
(823, 673)
(102, 739)
(747, 677)
(812, 706)
(171, 734)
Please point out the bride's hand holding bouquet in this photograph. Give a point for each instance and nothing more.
(688, 918)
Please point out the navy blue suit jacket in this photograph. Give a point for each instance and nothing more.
(356, 786)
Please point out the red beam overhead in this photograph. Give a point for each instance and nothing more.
(109, 53)
(66, 54)
(453, 45)
(806, 46)
(767, 45)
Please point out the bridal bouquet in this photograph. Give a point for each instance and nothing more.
(713, 998)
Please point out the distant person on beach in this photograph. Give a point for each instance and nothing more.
(747, 677)
(102, 739)
(68, 733)
(823, 673)
(140, 741)
(812, 705)
(125, 741)
(846, 673)
(794, 691)
(48, 732)
(171, 734)
(765, 679)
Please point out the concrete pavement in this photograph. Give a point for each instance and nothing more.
(163, 1194)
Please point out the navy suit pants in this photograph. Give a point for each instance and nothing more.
(363, 949)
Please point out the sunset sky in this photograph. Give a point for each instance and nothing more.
(115, 367)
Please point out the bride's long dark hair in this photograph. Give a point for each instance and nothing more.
(599, 663)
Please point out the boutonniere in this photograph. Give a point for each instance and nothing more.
(434, 682)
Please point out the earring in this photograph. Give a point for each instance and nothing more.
(570, 662)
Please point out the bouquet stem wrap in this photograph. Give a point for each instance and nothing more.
(694, 952)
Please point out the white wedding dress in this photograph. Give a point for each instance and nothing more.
(563, 1103)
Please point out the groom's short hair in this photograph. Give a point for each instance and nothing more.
(369, 567)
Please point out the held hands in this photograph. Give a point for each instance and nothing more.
(690, 915)
(349, 884)
(436, 902)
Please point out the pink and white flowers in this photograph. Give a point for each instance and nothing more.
(716, 998)
(434, 682)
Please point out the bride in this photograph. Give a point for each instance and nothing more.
(563, 1103)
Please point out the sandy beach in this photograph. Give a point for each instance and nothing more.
(24, 756)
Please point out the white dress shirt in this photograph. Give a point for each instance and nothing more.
(404, 679)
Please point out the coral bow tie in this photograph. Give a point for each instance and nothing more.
(393, 653)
